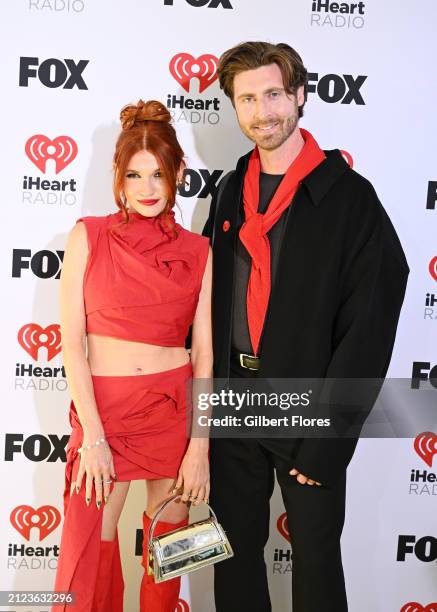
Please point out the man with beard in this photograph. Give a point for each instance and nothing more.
(309, 280)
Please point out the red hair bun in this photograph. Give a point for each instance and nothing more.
(152, 110)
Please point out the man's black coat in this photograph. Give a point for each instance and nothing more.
(335, 304)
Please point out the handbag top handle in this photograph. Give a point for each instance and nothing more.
(164, 505)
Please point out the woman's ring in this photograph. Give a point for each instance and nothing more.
(107, 482)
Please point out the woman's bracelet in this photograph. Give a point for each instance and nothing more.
(90, 446)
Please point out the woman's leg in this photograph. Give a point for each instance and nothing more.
(109, 588)
(112, 510)
(158, 491)
(162, 597)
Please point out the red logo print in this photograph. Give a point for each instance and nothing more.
(32, 337)
(282, 526)
(62, 149)
(425, 446)
(182, 606)
(348, 157)
(433, 267)
(226, 226)
(184, 67)
(46, 519)
(413, 606)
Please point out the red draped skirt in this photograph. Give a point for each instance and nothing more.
(146, 420)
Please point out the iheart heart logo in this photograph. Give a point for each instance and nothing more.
(425, 446)
(433, 267)
(184, 67)
(61, 149)
(32, 337)
(182, 606)
(46, 519)
(282, 526)
(413, 606)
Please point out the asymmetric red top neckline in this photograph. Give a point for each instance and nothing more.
(143, 279)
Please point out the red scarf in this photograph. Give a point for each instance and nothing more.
(253, 233)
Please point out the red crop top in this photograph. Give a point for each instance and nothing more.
(142, 282)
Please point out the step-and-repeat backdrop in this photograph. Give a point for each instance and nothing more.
(68, 66)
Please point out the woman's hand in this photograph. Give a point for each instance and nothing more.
(193, 477)
(97, 465)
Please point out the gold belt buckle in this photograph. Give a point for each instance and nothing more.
(245, 366)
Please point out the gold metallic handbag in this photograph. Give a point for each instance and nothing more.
(186, 549)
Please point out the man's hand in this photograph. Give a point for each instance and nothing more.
(303, 479)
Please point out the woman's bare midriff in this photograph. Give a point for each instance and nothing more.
(109, 356)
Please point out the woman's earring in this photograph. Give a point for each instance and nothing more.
(181, 183)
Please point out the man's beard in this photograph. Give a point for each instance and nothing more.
(270, 142)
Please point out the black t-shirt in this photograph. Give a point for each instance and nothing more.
(268, 183)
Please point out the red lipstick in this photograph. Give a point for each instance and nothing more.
(148, 202)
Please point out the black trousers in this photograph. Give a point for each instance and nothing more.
(242, 482)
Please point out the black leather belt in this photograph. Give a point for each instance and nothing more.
(250, 362)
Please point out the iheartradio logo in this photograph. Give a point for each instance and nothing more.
(184, 67)
(413, 606)
(282, 526)
(182, 606)
(433, 268)
(61, 149)
(32, 337)
(425, 446)
(45, 518)
(348, 157)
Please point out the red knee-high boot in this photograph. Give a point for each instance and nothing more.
(161, 597)
(109, 588)
(117, 582)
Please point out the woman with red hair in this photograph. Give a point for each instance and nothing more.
(132, 284)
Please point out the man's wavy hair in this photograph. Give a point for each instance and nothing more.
(252, 55)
